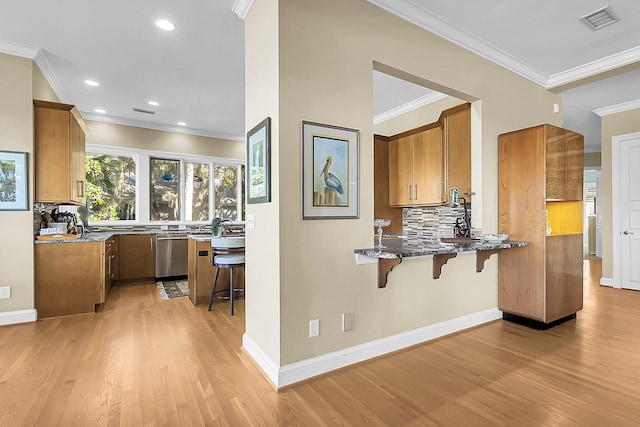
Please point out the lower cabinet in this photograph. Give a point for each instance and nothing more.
(69, 278)
(111, 264)
(202, 272)
(137, 256)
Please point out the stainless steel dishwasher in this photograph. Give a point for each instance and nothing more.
(171, 255)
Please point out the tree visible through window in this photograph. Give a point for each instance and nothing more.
(196, 191)
(111, 187)
(165, 190)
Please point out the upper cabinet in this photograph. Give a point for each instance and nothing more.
(415, 168)
(564, 164)
(59, 153)
(457, 135)
(425, 162)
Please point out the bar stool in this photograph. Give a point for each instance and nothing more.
(226, 252)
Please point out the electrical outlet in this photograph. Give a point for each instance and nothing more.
(314, 328)
(5, 292)
(164, 227)
(182, 227)
(347, 322)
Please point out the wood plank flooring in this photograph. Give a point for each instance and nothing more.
(142, 361)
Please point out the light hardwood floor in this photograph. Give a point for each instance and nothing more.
(141, 361)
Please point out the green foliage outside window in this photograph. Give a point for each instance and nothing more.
(110, 187)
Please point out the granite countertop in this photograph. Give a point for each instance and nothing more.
(413, 247)
(101, 236)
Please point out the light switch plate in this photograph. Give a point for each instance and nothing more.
(347, 322)
(5, 292)
(251, 222)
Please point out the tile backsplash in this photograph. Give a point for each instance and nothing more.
(431, 221)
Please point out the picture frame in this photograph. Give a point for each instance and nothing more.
(259, 163)
(14, 190)
(330, 171)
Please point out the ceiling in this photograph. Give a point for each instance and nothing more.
(196, 72)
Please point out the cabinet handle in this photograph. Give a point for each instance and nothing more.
(415, 192)
(409, 191)
(442, 187)
(111, 257)
(151, 244)
(80, 188)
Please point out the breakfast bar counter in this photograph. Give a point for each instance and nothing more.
(394, 250)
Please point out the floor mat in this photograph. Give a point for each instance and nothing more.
(173, 288)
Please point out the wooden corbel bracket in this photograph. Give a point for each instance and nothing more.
(385, 265)
(438, 261)
(482, 256)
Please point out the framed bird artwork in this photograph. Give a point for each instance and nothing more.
(330, 171)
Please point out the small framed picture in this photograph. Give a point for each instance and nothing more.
(330, 171)
(13, 181)
(259, 163)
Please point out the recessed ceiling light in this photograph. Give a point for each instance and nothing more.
(182, 123)
(91, 83)
(165, 24)
(100, 111)
(154, 103)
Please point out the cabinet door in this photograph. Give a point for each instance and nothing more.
(575, 166)
(137, 257)
(556, 163)
(427, 167)
(563, 276)
(401, 171)
(77, 143)
(458, 142)
(52, 155)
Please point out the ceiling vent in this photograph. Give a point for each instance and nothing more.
(140, 110)
(600, 18)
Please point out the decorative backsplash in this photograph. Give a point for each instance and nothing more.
(431, 221)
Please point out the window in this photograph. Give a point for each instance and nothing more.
(226, 191)
(138, 187)
(165, 189)
(196, 191)
(111, 187)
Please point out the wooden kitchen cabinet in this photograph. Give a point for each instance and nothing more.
(69, 278)
(457, 140)
(542, 281)
(59, 153)
(137, 255)
(564, 164)
(202, 272)
(111, 254)
(415, 167)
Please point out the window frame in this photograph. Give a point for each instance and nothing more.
(143, 180)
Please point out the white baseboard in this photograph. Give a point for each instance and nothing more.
(308, 368)
(19, 316)
(606, 281)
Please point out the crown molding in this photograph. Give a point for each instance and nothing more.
(242, 7)
(18, 49)
(408, 11)
(592, 68)
(409, 106)
(618, 108)
(47, 70)
(158, 126)
(425, 19)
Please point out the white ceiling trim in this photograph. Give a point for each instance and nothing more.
(409, 106)
(17, 49)
(423, 18)
(242, 7)
(45, 67)
(617, 60)
(158, 126)
(618, 108)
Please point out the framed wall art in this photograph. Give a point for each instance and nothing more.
(330, 171)
(13, 181)
(259, 163)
